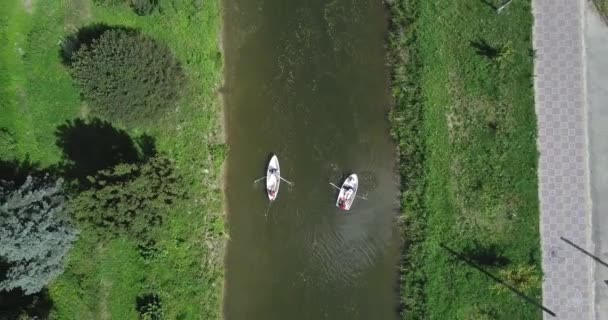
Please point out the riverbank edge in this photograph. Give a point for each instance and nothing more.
(407, 121)
(223, 123)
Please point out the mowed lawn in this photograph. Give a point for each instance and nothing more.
(103, 279)
(466, 110)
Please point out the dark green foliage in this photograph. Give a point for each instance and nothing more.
(84, 37)
(130, 199)
(149, 307)
(128, 77)
(34, 235)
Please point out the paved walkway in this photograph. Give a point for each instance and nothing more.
(596, 53)
(563, 170)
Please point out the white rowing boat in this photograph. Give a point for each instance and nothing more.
(273, 178)
(348, 192)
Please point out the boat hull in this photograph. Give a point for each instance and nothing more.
(273, 178)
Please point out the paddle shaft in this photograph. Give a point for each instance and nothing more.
(264, 177)
(286, 180)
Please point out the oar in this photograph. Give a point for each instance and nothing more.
(291, 183)
(335, 186)
(264, 177)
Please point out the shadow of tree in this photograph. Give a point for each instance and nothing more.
(90, 146)
(483, 48)
(84, 37)
(16, 171)
(14, 304)
(486, 255)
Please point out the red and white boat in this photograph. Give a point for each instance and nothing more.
(348, 192)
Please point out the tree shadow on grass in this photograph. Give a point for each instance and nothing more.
(486, 255)
(90, 146)
(16, 171)
(84, 37)
(483, 48)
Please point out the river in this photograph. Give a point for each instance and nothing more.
(307, 80)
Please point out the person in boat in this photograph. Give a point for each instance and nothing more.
(272, 187)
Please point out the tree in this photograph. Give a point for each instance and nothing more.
(34, 235)
(127, 77)
(130, 199)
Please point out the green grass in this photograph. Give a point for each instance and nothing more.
(602, 7)
(465, 123)
(103, 279)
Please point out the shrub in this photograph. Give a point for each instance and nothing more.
(127, 77)
(34, 236)
(130, 199)
(149, 307)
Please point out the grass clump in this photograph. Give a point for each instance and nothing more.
(407, 130)
(465, 125)
(127, 77)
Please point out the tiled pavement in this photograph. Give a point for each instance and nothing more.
(563, 171)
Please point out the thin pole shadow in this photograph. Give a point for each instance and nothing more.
(498, 280)
(600, 261)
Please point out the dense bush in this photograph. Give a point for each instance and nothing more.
(127, 76)
(34, 236)
(130, 199)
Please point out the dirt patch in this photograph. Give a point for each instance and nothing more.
(28, 5)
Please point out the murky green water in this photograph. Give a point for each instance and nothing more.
(307, 80)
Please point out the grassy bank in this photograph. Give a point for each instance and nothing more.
(103, 279)
(465, 124)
